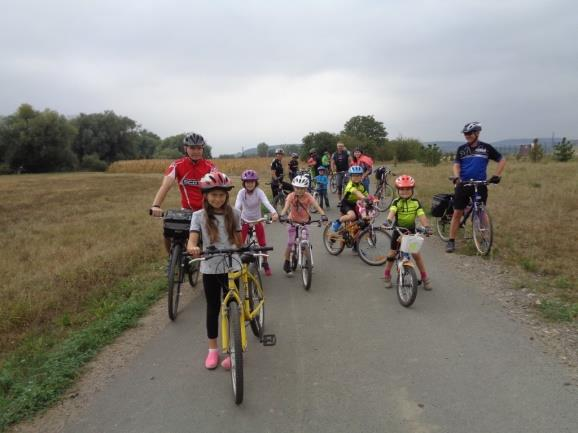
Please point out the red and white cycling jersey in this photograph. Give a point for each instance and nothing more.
(188, 173)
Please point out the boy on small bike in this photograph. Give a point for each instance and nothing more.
(403, 212)
(298, 203)
(353, 191)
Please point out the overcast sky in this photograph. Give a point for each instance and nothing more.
(242, 72)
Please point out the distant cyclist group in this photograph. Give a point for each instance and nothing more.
(218, 224)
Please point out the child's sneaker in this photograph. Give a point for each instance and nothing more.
(212, 360)
(267, 269)
(387, 279)
(427, 284)
(287, 267)
(226, 364)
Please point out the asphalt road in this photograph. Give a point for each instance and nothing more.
(349, 358)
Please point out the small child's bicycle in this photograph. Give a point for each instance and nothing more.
(302, 253)
(406, 278)
(252, 241)
(244, 302)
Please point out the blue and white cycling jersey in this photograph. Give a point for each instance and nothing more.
(474, 160)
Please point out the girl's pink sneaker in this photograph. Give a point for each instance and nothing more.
(226, 364)
(212, 360)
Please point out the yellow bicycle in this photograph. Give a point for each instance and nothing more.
(244, 302)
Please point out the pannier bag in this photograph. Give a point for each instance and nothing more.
(380, 173)
(177, 223)
(440, 203)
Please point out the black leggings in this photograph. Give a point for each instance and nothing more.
(214, 285)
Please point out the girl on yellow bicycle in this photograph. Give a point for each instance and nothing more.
(219, 225)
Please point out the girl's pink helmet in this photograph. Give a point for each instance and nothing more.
(215, 180)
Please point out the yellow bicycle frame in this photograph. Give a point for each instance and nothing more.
(244, 276)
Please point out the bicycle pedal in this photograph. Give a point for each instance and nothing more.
(269, 340)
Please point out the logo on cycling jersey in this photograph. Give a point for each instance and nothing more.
(191, 182)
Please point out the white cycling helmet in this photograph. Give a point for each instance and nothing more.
(300, 182)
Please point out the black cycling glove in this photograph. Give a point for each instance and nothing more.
(495, 179)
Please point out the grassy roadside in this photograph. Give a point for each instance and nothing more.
(36, 375)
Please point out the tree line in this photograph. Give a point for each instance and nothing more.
(45, 141)
(35, 141)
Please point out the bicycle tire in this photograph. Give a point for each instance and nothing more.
(333, 183)
(306, 268)
(255, 297)
(385, 195)
(443, 224)
(279, 202)
(235, 350)
(333, 246)
(373, 245)
(194, 273)
(407, 286)
(482, 231)
(175, 278)
(313, 209)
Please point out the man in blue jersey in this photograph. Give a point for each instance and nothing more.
(471, 163)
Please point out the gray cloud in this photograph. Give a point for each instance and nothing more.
(245, 72)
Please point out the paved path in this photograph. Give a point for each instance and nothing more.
(349, 358)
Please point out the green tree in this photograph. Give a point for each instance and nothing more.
(366, 133)
(536, 151)
(146, 143)
(37, 142)
(431, 155)
(321, 141)
(110, 136)
(564, 150)
(406, 149)
(262, 149)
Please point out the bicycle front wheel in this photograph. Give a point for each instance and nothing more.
(255, 297)
(235, 350)
(175, 278)
(407, 286)
(443, 226)
(306, 268)
(194, 272)
(385, 196)
(482, 231)
(373, 244)
(334, 242)
(333, 183)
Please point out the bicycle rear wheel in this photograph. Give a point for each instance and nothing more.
(235, 350)
(175, 278)
(443, 226)
(334, 242)
(255, 297)
(372, 245)
(306, 268)
(279, 201)
(385, 196)
(407, 286)
(482, 231)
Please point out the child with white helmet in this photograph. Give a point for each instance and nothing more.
(298, 203)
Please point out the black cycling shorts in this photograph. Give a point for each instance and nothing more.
(463, 194)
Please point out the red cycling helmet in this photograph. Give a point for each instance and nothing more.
(249, 175)
(405, 181)
(215, 180)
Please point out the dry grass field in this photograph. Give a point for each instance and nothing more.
(65, 237)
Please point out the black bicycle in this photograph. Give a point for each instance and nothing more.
(176, 224)
(384, 191)
(481, 228)
(282, 192)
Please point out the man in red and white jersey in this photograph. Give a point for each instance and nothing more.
(186, 173)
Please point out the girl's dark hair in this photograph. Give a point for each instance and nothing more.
(256, 183)
(211, 221)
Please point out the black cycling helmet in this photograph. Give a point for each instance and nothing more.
(192, 139)
(312, 151)
(471, 127)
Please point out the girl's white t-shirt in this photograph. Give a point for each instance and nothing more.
(250, 204)
(216, 264)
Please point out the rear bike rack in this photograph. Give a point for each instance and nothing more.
(269, 340)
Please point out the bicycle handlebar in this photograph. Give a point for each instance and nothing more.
(405, 230)
(471, 182)
(257, 221)
(283, 219)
